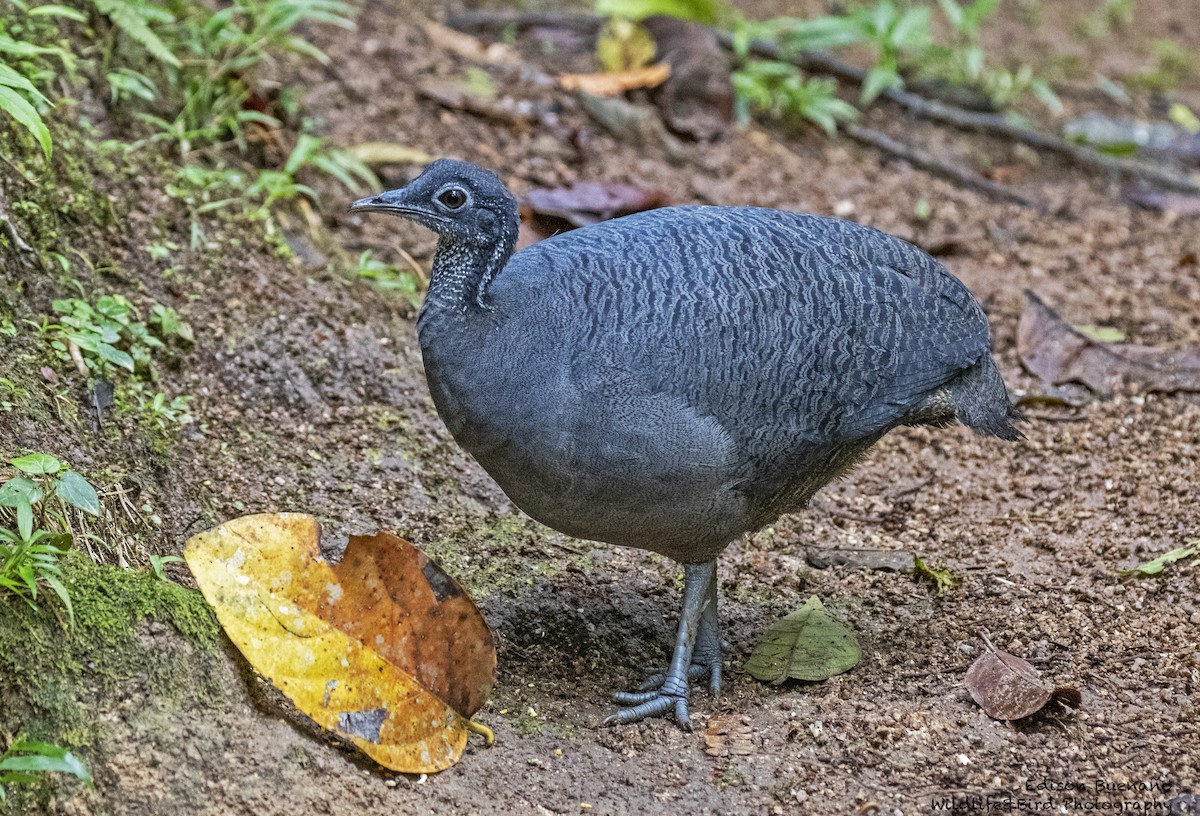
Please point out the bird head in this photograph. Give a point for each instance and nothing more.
(462, 203)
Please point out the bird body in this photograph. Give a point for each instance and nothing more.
(673, 379)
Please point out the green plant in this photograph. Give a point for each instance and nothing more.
(780, 89)
(29, 555)
(158, 564)
(897, 34)
(389, 277)
(19, 69)
(281, 185)
(214, 58)
(42, 477)
(965, 55)
(900, 35)
(158, 411)
(109, 336)
(23, 760)
(9, 391)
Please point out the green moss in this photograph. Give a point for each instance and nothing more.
(50, 670)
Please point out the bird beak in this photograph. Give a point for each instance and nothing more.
(392, 201)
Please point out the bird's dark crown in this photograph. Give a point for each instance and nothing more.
(461, 202)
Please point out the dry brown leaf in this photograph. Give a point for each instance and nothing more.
(1007, 687)
(468, 47)
(1062, 356)
(384, 648)
(729, 735)
(590, 202)
(616, 82)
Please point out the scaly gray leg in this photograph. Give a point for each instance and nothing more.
(697, 654)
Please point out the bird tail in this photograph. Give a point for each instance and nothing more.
(981, 401)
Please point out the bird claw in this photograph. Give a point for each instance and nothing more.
(652, 704)
(660, 692)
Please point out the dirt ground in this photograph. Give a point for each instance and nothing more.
(310, 397)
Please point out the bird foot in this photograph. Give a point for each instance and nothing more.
(661, 693)
(671, 695)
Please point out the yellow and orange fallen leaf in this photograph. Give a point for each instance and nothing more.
(614, 83)
(384, 648)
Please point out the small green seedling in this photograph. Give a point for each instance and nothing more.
(30, 554)
(1152, 568)
(25, 759)
(941, 578)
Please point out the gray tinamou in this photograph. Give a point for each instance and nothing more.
(674, 379)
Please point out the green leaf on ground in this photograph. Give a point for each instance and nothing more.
(806, 645)
(1102, 334)
(941, 578)
(1152, 568)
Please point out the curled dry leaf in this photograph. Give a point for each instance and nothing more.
(1062, 356)
(1007, 687)
(806, 645)
(616, 82)
(384, 648)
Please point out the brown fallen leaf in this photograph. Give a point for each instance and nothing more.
(384, 648)
(470, 48)
(615, 83)
(475, 92)
(729, 735)
(1007, 687)
(590, 202)
(1063, 356)
(546, 212)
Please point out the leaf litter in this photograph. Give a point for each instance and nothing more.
(1076, 366)
(384, 648)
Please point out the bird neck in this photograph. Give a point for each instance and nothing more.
(462, 272)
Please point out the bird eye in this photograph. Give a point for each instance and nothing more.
(452, 198)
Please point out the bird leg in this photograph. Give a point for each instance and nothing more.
(697, 654)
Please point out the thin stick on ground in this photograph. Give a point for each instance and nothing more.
(927, 162)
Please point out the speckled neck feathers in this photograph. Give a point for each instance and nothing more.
(463, 270)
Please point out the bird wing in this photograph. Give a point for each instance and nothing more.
(797, 334)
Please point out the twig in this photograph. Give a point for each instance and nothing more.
(17, 240)
(925, 161)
